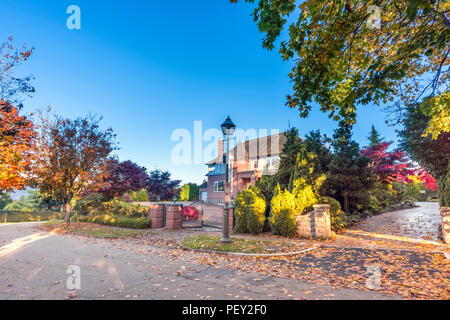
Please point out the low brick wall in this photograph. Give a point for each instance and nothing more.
(445, 214)
(316, 224)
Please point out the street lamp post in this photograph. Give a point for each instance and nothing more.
(228, 129)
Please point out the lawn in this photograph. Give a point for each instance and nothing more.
(241, 245)
(91, 229)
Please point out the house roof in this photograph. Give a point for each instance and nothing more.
(255, 148)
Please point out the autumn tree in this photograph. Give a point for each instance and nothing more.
(347, 53)
(17, 142)
(13, 88)
(388, 166)
(71, 157)
(123, 177)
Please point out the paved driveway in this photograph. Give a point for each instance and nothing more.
(33, 265)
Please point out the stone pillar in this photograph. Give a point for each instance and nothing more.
(445, 214)
(156, 212)
(174, 216)
(322, 221)
(316, 224)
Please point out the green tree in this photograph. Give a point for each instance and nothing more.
(349, 177)
(431, 154)
(374, 137)
(288, 159)
(139, 196)
(5, 199)
(189, 192)
(342, 58)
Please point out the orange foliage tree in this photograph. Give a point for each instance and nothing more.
(17, 142)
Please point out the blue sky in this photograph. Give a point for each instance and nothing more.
(151, 67)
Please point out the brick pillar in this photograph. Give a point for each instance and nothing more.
(174, 216)
(445, 214)
(157, 215)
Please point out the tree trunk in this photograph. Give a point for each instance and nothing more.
(346, 205)
(68, 212)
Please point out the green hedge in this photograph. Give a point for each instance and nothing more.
(29, 216)
(116, 221)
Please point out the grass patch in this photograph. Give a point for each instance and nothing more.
(52, 222)
(107, 232)
(242, 245)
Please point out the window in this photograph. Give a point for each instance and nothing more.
(267, 163)
(211, 168)
(219, 186)
(220, 202)
(254, 164)
(275, 162)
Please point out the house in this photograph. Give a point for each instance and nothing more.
(250, 160)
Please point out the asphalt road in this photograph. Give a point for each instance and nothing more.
(34, 263)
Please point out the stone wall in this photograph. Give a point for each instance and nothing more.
(316, 224)
(445, 214)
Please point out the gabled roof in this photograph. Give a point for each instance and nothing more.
(255, 148)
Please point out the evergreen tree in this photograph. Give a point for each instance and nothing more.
(349, 178)
(374, 137)
(291, 148)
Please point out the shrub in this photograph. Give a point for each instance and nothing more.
(338, 219)
(116, 221)
(88, 204)
(116, 207)
(412, 192)
(249, 211)
(191, 213)
(282, 213)
(444, 190)
(139, 196)
(304, 195)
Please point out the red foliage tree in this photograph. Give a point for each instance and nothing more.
(124, 177)
(429, 182)
(387, 166)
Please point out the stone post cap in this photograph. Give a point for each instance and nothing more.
(321, 206)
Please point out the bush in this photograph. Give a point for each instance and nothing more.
(249, 211)
(117, 207)
(338, 219)
(191, 213)
(444, 190)
(139, 196)
(116, 221)
(88, 204)
(412, 192)
(282, 213)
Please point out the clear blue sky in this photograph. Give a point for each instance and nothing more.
(150, 67)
